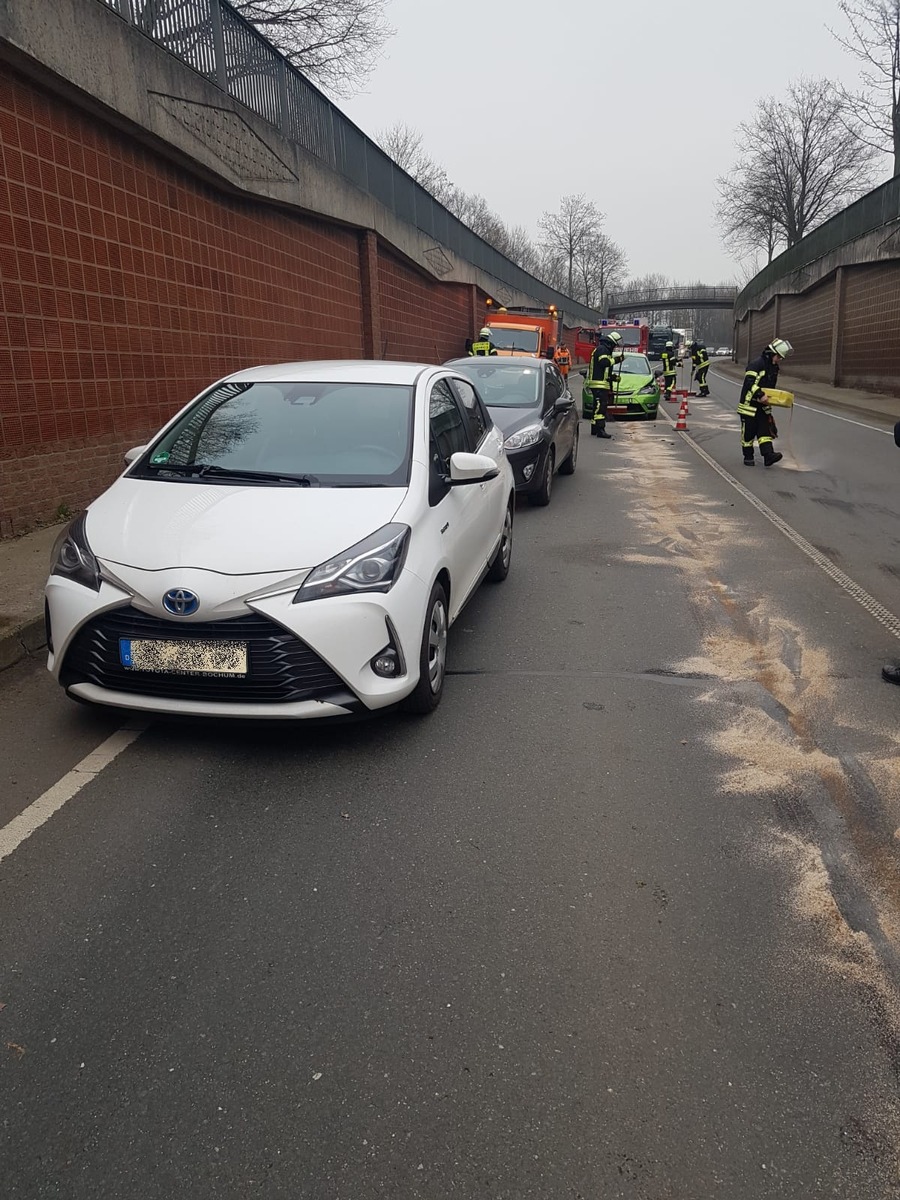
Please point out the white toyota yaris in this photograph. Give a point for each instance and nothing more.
(296, 542)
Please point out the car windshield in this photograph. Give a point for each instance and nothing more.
(504, 384)
(635, 364)
(631, 336)
(514, 339)
(311, 434)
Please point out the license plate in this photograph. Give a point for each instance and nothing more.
(183, 658)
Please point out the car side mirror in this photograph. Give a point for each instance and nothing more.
(133, 454)
(658, 373)
(471, 468)
(564, 403)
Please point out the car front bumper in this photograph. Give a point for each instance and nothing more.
(305, 660)
(634, 405)
(528, 466)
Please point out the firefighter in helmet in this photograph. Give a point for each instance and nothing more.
(700, 360)
(484, 345)
(670, 368)
(599, 383)
(757, 422)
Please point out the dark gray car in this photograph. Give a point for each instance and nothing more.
(530, 402)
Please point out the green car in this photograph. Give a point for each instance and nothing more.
(635, 390)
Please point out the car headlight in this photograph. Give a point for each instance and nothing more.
(73, 557)
(372, 565)
(648, 389)
(529, 436)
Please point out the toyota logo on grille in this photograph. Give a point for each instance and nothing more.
(180, 602)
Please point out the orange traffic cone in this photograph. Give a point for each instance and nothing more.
(681, 423)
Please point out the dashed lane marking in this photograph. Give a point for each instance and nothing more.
(881, 614)
(42, 809)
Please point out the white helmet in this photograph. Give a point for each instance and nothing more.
(614, 336)
(780, 347)
(670, 345)
(485, 332)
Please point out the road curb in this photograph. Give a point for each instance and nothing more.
(28, 637)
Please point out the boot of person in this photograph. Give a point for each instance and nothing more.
(772, 457)
(749, 460)
(891, 674)
(601, 430)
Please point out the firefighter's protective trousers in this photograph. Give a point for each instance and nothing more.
(700, 374)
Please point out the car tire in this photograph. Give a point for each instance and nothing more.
(432, 656)
(568, 467)
(541, 498)
(498, 569)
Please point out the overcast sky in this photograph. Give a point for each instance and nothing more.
(637, 103)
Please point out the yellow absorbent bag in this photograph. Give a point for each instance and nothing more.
(779, 399)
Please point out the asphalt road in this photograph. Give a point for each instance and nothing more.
(620, 920)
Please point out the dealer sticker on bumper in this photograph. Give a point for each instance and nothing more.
(183, 657)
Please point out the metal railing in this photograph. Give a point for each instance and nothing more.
(870, 212)
(211, 38)
(699, 296)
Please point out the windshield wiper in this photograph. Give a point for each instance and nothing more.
(204, 470)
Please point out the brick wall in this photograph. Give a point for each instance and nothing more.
(421, 323)
(868, 351)
(870, 331)
(127, 285)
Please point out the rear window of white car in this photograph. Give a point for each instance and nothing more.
(332, 434)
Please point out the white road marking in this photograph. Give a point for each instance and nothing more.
(881, 614)
(42, 809)
(823, 412)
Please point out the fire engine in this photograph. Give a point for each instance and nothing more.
(635, 338)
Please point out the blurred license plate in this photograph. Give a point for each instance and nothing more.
(183, 658)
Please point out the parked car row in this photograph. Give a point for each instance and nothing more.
(297, 541)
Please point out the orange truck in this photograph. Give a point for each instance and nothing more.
(528, 331)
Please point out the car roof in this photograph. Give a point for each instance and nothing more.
(497, 360)
(346, 370)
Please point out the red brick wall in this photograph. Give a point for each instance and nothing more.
(127, 285)
(870, 334)
(421, 322)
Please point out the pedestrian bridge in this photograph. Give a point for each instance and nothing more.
(667, 299)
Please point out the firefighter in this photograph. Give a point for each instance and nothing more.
(484, 346)
(700, 360)
(670, 368)
(599, 380)
(563, 359)
(757, 422)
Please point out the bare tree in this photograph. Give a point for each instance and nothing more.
(600, 265)
(875, 41)
(405, 146)
(566, 231)
(801, 161)
(336, 45)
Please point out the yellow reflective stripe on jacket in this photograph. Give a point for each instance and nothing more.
(482, 347)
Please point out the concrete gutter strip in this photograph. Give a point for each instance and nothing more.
(28, 638)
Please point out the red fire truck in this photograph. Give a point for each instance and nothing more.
(635, 338)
